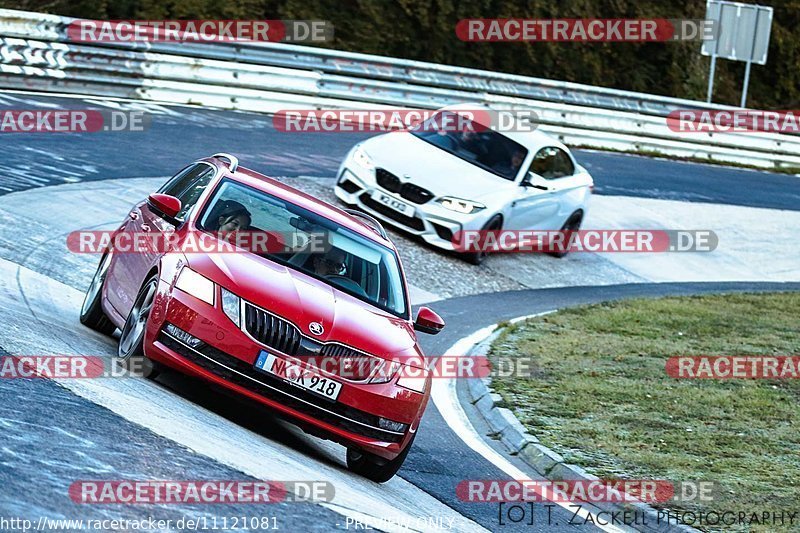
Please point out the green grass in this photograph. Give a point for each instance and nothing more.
(601, 397)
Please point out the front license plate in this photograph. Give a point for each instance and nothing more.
(298, 376)
(393, 203)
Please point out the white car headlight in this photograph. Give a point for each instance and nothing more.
(460, 205)
(231, 304)
(198, 286)
(361, 158)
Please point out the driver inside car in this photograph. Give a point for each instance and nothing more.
(510, 167)
(231, 218)
(330, 263)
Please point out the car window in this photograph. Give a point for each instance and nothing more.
(479, 145)
(188, 185)
(551, 162)
(348, 261)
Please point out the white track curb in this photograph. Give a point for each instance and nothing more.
(506, 427)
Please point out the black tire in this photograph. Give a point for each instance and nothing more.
(373, 467)
(130, 353)
(573, 223)
(476, 258)
(92, 315)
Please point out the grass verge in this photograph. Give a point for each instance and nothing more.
(599, 394)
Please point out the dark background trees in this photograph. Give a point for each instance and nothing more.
(424, 30)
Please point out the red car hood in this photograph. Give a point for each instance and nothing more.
(303, 299)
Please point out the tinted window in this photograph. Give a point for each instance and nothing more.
(188, 185)
(482, 147)
(352, 263)
(551, 163)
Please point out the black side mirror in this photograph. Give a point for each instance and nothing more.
(535, 181)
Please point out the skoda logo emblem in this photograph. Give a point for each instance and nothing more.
(316, 328)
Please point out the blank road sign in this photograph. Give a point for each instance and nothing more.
(743, 31)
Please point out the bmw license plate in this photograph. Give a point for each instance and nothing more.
(393, 203)
(298, 376)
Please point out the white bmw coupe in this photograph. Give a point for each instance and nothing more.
(435, 183)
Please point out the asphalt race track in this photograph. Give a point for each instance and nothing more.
(178, 428)
(45, 158)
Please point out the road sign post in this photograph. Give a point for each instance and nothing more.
(743, 35)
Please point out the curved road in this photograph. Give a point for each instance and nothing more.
(179, 134)
(177, 428)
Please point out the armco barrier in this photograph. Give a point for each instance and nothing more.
(35, 54)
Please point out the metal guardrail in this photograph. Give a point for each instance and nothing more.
(35, 54)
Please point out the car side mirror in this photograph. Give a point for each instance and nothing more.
(165, 204)
(534, 180)
(428, 322)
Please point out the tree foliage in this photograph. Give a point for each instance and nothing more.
(425, 30)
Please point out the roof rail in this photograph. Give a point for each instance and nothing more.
(232, 160)
(373, 222)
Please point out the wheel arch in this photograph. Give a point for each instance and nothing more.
(578, 211)
(499, 215)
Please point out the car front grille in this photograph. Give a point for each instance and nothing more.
(285, 337)
(415, 193)
(443, 232)
(409, 191)
(387, 180)
(271, 330)
(388, 212)
(349, 186)
(240, 373)
(358, 366)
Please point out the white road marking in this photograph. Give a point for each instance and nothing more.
(40, 317)
(444, 396)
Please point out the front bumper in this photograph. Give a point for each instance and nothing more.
(227, 356)
(430, 221)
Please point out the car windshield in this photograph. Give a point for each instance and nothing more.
(311, 244)
(483, 147)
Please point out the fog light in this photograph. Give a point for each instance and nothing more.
(184, 337)
(391, 425)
